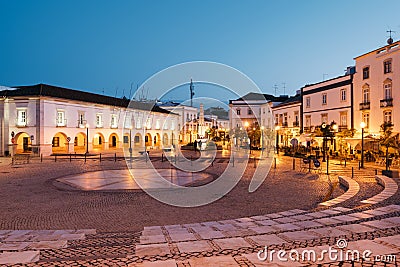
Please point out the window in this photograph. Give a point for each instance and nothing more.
(365, 119)
(324, 118)
(114, 121)
(296, 118)
(387, 116)
(343, 118)
(148, 123)
(285, 119)
(366, 94)
(387, 66)
(165, 125)
(21, 117)
(387, 90)
(343, 95)
(99, 120)
(324, 99)
(56, 141)
(158, 124)
(308, 121)
(61, 118)
(238, 111)
(126, 139)
(308, 102)
(276, 119)
(249, 112)
(81, 119)
(366, 73)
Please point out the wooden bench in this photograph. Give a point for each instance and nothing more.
(20, 159)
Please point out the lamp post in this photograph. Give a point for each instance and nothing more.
(323, 127)
(87, 138)
(362, 125)
(262, 138)
(246, 124)
(277, 138)
(130, 142)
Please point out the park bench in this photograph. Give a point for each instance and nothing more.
(20, 159)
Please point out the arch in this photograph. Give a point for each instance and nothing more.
(113, 141)
(80, 142)
(137, 141)
(148, 140)
(165, 140)
(59, 143)
(23, 142)
(157, 140)
(98, 141)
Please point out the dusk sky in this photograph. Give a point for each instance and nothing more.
(104, 45)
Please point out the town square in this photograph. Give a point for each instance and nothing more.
(223, 133)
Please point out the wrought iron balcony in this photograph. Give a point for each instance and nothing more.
(285, 124)
(307, 129)
(296, 124)
(342, 128)
(61, 123)
(364, 105)
(387, 102)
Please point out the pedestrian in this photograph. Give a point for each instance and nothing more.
(195, 145)
(199, 145)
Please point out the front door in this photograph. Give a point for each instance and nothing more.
(114, 141)
(25, 144)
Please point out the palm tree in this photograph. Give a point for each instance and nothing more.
(387, 140)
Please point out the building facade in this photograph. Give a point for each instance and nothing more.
(287, 120)
(375, 88)
(328, 101)
(188, 121)
(45, 119)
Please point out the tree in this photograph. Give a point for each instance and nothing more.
(387, 140)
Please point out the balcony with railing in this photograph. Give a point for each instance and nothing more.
(342, 128)
(296, 124)
(21, 123)
(388, 102)
(307, 129)
(61, 123)
(81, 124)
(285, 124)
(364, 105)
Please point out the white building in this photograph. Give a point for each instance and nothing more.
(188, 123)
(287, 119)
(46, 119)
(328, 101)
(250, 114)
(375, 88)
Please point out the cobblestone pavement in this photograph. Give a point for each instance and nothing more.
(209, 236)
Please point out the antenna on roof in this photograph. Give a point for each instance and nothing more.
(284, 88)
(390, 40)
(275, 88)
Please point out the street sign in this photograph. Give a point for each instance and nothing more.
(68, 139)
(32, 137)
(12, 134)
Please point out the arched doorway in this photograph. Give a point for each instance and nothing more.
(137, 142)
(113, 141)
(165, 140)
(59, 144)
(80, 142)
(98, 141)
(148, 140)
(23, 142)
(157, 141)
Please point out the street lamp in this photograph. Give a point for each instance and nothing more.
(87, 138)
(262, 138)
(362, 125)
(277, 138)
(323, 126)
(130, 142)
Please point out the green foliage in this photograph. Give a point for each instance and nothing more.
(386, 139)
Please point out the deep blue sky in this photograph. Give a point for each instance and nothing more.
(104, 45)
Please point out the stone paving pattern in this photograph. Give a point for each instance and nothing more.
(236, 241)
